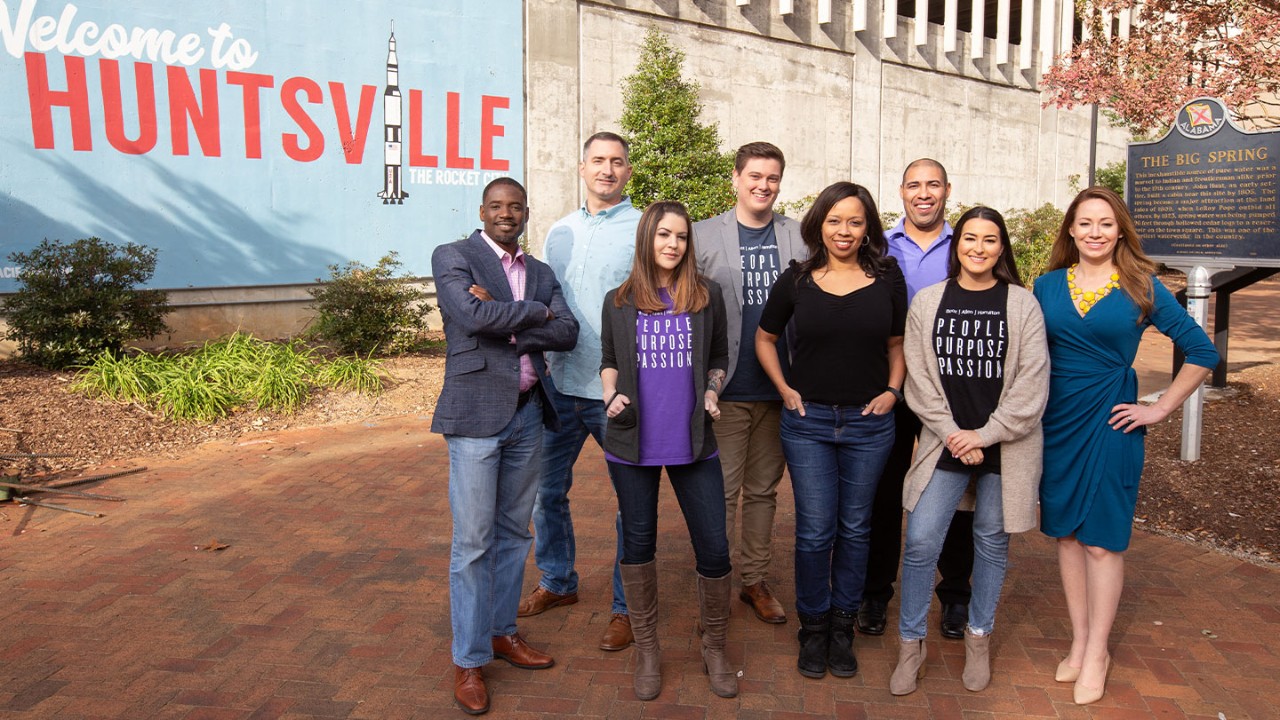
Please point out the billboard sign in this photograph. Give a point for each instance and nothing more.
(255, 143)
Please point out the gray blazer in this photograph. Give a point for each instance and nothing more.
(482, 365)
(720, 259)
(618, 352)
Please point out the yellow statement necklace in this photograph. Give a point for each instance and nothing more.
(1085, 300)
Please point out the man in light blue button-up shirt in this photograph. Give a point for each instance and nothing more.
(590, 251)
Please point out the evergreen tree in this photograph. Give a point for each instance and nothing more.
(674, 156)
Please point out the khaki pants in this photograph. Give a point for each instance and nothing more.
(750, 444)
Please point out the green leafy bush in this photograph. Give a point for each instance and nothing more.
(78, 299)
(362, 309)
(674, 155)
(214, 380)
(1109, 176)
(796, 209)
(1032, 233)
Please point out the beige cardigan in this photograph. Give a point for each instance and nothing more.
(1015, 424)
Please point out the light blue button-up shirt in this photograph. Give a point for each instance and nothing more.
(921, 268)
(591, 255)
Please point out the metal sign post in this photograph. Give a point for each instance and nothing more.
(1198, 289)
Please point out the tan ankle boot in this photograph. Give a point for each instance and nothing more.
(713, 599)
(977, 661)
(911, 655)
(640, 585)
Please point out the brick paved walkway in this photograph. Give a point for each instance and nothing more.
(331, 600)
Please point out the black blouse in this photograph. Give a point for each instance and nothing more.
(840, 351)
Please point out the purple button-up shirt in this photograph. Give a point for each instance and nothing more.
(921, 268)
(514, 268)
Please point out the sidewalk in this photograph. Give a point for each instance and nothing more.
(1254, 337)
(331, 600)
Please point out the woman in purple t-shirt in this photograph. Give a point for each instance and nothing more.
(664, 355)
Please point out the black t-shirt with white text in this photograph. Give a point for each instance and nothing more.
(758, 248)
(970, 338)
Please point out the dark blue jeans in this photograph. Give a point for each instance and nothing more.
(835, 455)
(699, 488)
(555, 547)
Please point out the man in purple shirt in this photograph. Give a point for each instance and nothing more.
(921, 242)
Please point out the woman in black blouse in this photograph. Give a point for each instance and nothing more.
(848, 308)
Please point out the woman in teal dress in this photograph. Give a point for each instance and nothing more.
(1097, 300)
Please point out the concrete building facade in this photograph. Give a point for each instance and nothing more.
(849, 89)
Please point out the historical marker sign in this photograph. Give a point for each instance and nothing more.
(1207, 193)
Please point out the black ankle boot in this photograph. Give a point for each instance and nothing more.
(840, 659)
(814, 637)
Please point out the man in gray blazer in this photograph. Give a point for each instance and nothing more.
(501, 310)
(745, 249)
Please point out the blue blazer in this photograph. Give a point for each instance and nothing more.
(482, 366)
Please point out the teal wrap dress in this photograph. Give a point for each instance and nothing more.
(1091, 471)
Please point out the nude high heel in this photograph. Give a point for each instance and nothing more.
(1085, 695)
(1066, 673)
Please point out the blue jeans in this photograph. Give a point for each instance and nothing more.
(835, 455)
(492, 483)
(555, 550)
(699, 488)
(926, 528)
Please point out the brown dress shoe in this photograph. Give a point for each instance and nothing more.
(762, 601)
(469, 690)
(618, 635)
(516, 651)
(542, 600)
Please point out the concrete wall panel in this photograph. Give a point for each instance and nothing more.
(753, 87)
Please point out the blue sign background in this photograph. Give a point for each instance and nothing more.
(233, 219)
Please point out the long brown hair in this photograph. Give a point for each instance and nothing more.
(688, 291)
(1132, 265)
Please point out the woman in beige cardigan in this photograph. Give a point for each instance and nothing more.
(978, 378)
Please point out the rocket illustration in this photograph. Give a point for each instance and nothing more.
(392, 194)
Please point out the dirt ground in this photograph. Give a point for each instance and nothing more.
(1230, 499)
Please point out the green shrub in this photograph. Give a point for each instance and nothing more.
(216, 379)
(362, 309)
(796, 208)
(1110, 176)
(674, 155)
(78, 299)
(1032, 233)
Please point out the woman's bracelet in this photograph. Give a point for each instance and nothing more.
(897, 394)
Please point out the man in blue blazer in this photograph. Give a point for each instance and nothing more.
(501, 310)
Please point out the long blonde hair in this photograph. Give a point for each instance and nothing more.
(1132, 265)
(688, 292)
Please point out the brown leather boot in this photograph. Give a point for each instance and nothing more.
(618, 635)
(713, 599)
(640, 585)
(762, 602)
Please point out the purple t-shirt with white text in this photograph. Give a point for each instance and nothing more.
(664, 365)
